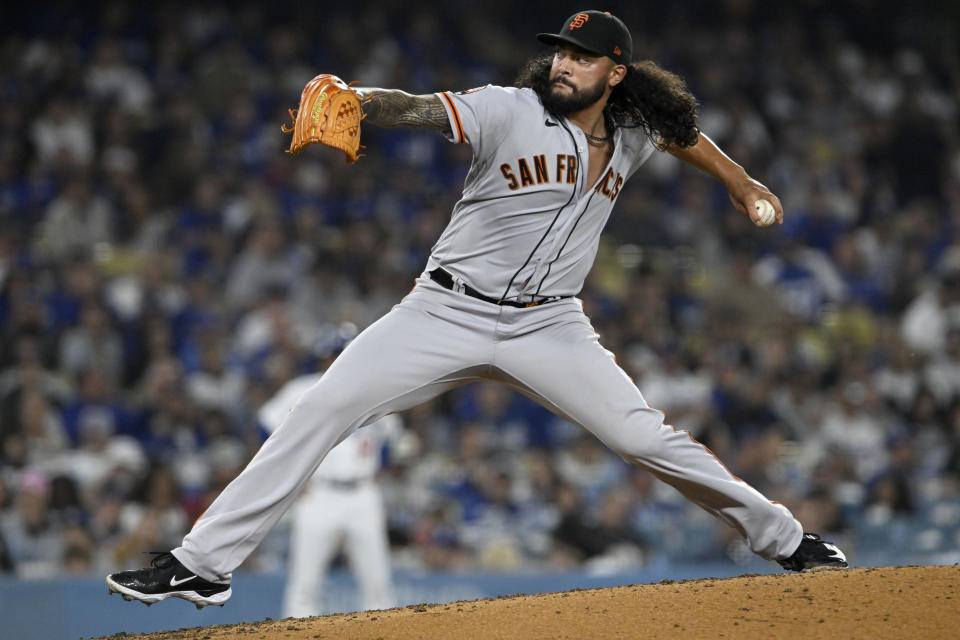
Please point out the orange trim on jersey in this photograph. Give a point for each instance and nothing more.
(456, 117)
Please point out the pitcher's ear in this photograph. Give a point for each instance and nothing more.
(617, 74)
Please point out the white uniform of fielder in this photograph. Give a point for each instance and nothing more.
(340, 506)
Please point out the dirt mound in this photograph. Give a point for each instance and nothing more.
(891, 602)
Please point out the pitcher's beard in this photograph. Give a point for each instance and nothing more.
(578, 99)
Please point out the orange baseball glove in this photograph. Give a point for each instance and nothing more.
(329, 113)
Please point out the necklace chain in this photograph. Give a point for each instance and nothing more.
(596, 139)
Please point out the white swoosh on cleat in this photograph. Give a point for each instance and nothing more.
(174, 582)
(835, 551)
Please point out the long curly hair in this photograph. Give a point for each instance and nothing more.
(649, 97)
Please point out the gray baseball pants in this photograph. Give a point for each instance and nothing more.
(435, 340)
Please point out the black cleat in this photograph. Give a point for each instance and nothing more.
(163, 579)
(814, 554)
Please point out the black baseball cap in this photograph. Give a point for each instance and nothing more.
(598, 32)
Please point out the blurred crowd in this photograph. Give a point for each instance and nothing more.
(165, 267)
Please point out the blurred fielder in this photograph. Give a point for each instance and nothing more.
(341, 506)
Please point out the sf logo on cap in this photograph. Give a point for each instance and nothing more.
(578, 20)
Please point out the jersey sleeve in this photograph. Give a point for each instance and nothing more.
(640, 146)
(478, 115)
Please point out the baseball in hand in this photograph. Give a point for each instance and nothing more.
(765, 212)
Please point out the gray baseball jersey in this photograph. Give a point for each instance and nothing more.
(526, 229)
(528, 225)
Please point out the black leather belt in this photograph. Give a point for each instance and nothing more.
(445, 280)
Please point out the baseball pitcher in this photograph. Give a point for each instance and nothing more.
(497, 299)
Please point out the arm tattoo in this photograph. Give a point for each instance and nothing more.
(391, 108)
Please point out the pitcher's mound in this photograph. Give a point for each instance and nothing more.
(890, 602)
